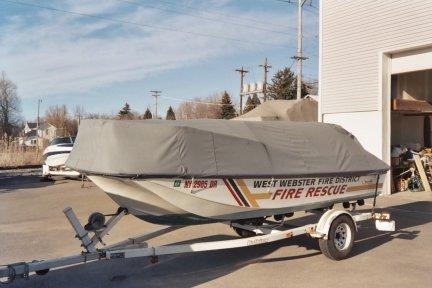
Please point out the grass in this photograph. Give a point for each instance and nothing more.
(15, 155)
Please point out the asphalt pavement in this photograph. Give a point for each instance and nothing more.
(32, 226)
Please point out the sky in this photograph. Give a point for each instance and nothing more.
(101, 54)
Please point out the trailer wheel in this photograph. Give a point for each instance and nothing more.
(340, 238)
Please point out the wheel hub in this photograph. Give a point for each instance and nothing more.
(341, 239)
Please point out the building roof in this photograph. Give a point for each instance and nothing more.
(32, 125)
(44, 126)
(31, 133)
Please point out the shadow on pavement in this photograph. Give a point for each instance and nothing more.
(188, 270)
(406, 216)
(13, 183)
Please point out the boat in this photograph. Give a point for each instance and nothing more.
(55, 157)
(58, 151)
(201, 171)
(236, 172)
(303, 110)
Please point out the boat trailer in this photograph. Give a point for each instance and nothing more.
(335, 231)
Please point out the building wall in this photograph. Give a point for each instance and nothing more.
(49, 133)
(353, 36)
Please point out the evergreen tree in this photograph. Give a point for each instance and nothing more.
(170, 114)
(147, 114)
(284, 85)
(255, 100)
(249, 105)
(125, 112)
(227, 109)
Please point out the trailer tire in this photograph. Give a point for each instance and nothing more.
(340, 238)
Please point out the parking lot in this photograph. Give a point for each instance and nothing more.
(32, 226)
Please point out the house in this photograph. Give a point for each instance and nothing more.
(36, 136)
(375, 72)
(29, 140)
(29, 126)
(47, 131)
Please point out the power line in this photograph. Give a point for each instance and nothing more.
(195, 101)
(266, 68)
(292, 2)
(163, 28)
(156, 94)
(242, 72)
(211, 12)
(292, 64)
(201, 17)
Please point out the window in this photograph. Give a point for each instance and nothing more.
(63, 140)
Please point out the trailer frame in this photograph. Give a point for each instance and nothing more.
(138, 247)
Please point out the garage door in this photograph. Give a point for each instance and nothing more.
(411, 61)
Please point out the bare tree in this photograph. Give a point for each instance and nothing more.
(199, 108)
(79, 113)
(58, 116)
(99, 116)
(10, 108)
(186, 110)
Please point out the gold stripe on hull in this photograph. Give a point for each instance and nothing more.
(363, 187)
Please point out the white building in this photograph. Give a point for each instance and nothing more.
(36, 136)
(375, 64)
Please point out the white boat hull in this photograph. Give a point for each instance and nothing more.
(57, 159)
(56, 155)
(176, 201)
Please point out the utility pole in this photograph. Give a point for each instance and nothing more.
(299, 57)
(39, 102)
(37, 124)
(156, 94)
(266, 67)
(37, 128)
(242, 73)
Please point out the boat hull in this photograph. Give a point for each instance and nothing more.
(56, 155)
(195, 201)
(57, 159)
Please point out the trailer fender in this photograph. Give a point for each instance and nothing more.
(326, 220)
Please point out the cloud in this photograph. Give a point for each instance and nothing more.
(48, 53)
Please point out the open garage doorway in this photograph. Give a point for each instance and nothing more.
(411, 134)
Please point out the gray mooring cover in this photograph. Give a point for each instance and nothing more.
(304, 110)
(218, 148)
